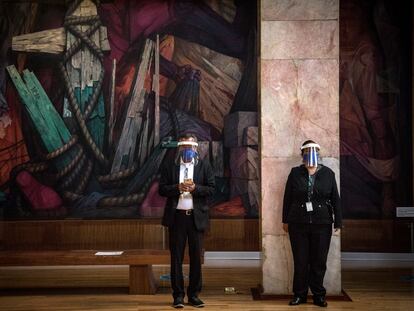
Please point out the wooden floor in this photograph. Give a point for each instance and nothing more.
(104, 288)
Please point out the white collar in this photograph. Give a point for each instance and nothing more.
(187, 164)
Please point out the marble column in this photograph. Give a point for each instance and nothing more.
(299, 101)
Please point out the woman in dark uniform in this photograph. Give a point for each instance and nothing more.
(310, 206)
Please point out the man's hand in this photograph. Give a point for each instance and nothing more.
(190, 185)
(286, 228)
(187, 186)
(190, 188)
(182, 187)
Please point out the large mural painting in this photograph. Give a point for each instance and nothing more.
(375, 108)
(93, 95)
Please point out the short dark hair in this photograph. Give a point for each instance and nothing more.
(187, 136)
(308, 142)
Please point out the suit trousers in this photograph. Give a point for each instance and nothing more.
(182, 230)
(310, 247)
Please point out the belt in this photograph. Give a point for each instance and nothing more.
(187, 212)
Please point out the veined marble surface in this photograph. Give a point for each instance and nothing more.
(281, 10)
(299, 101)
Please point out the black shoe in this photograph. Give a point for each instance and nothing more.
(195, 302)
(297, 301)
(320, 301)
(178, 302)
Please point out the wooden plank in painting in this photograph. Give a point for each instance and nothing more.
(111, 122)
(48, 41)
(45, 106)
(47, 121)
(51, 41)
(156, 89)
(124, 156)
(143, 141)
(84, 71)
(103, 39)
(50, 141)
(150, 140)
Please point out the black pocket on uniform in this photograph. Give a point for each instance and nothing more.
(324, 212)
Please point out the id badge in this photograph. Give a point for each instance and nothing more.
(309, 207)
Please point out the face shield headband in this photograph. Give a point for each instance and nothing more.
(310, 154)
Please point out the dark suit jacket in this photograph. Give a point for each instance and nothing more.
(325, 198)
(204, 181)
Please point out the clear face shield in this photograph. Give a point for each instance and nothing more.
(187, 151)
(310, 154)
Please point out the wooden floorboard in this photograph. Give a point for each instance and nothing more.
(105, 288)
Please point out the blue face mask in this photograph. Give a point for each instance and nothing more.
(188, 155)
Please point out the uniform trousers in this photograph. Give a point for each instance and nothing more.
(310, 247)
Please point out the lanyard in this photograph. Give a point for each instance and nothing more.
(311, 183)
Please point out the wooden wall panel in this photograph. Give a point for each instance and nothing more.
(224, 235)
(375, 236)
(85, 234)
(233, 235)
(230, 235)
(1, 234)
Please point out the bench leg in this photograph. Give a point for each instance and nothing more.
(141, 280)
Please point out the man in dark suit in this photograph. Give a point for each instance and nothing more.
(187, 182)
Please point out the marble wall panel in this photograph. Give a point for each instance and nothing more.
(299, 39)
(299, 102)
(274, 176)
(282, 10)
(277, 264)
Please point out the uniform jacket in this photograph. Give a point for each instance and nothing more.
(204, 187)
(325, 198)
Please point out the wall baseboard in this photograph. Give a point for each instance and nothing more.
(346, 256)
(359, 256)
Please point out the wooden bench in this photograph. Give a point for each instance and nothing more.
(141, 277)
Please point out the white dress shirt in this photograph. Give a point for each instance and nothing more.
(185, 201)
